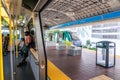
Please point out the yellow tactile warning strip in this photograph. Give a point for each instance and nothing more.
(55, 73)
(101, 77)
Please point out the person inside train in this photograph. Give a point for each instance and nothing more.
(32, 44)
(20, 45)
(6, 44)
(3, 46)
(25, 49)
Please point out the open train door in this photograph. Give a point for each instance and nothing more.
(42, 58)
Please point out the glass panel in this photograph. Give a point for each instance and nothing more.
(111, 57)
(101, 56)
(111, 45)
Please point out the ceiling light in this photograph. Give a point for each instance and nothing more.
(57, 18)
(48, 22)
(70, 13)
(103, 1)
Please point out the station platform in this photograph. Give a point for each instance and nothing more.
(81, 67)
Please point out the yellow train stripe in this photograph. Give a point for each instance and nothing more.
(1, 53)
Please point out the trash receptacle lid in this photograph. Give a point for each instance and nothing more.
(105, 42)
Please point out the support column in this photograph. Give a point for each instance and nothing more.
(22, 32)
(40, 46)
(16, 40)
(14, 49)
(11, 55)
(1, 53)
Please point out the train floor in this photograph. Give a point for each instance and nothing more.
(82, 67)
(22, 73)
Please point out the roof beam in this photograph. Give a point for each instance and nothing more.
(71, 17)
(40, 5)
(50, 21)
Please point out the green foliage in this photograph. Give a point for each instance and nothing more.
(84, 46)
(88, 42)
(18, 36)
(89, 48)
(4, 22)
(88, 45)
(56, 31)
(20, 18)
(68, 43)
(92, 48)
(50, 32)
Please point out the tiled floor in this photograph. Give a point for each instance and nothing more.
(81, 67)
(101, 77)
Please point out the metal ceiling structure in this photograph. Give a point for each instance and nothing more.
(62, 11)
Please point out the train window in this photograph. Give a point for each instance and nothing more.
(33, 38)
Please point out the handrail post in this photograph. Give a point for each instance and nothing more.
(16, 40)
(1, 54)
(11, 55)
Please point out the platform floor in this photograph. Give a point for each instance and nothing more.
(81, 67)
(22, 73)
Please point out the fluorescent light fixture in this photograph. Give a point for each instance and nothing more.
(70, 13)
(57, 18)
(48, 22)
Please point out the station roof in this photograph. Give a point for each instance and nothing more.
(62, 11)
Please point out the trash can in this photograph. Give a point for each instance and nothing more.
(105, 53)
